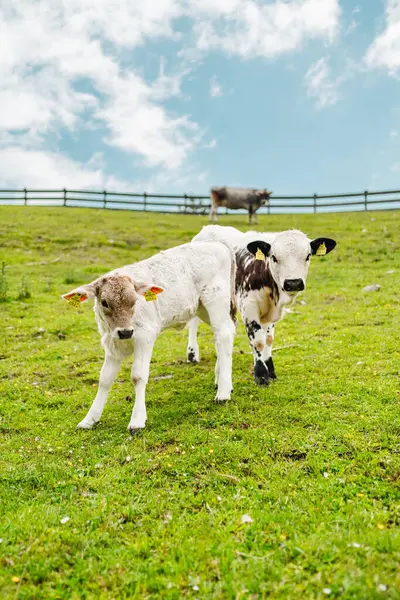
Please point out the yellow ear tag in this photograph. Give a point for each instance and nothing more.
(321, 250)
(149, 295)
(260, 254)
(75, 300)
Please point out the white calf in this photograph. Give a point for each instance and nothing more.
(193, 279)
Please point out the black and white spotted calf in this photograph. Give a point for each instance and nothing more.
(271, 270)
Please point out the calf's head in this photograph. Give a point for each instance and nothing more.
(289, 257)
(115, 299)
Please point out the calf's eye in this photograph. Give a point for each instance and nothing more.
(274, 259)
(104, 303)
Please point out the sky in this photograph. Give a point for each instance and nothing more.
(174, 96)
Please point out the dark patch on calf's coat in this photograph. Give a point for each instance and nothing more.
(252, 327)
(191, 355)
(252, 274)
(261, 374)
(271, 368)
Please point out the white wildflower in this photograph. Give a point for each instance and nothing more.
(247, 519)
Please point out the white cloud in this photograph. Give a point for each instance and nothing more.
(215, 87)
(320, 84)
(385, 50)
(48, 51)
(69, 66)
(394, 133)
(249, 29)
(352, 27)
(38, 169)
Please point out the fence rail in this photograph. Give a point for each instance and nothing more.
(198, 204)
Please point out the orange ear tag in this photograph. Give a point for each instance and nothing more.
(75, 300)
(149, 296)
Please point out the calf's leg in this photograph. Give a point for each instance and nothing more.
(269, 330)
(140, 376)
(193, 353)
(224, 333)
(108, 373)
(257, 340)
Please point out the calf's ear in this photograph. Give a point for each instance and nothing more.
(259, 249)
(321, 246)
(80, 294)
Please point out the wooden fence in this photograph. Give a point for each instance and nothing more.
(197, 204)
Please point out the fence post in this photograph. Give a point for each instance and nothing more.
(25, 196)
(65, 197)
(315, 203)
(366, 200)
(185, 198)
(145, 201)
(104, 198)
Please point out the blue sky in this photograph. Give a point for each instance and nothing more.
(299, 96)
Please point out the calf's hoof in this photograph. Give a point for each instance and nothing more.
(85, 425)
(192, 355)
(261, 374)
(135, 428)
(134, 431)
(220, 400)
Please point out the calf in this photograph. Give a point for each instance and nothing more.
(237, 198)
(193, 279)
(271, 270)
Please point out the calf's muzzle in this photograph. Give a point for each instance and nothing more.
(293, 285)
(125, 334)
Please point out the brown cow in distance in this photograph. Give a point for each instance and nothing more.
(236, 198)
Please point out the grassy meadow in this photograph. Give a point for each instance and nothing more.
(290, 491)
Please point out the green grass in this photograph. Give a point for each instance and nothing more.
(314, 459)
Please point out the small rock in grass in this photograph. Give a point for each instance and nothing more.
(327, 591)
(382, 587)
(326, 475)
(390, 272)
(247, 519)
(64, 520)
(372, 288)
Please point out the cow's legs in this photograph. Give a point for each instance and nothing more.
(267, 352)
(213, 214)
(108, 373)
(140, 377)
(250, 213)
(224, 334)
(193, 353)
(257, 340)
